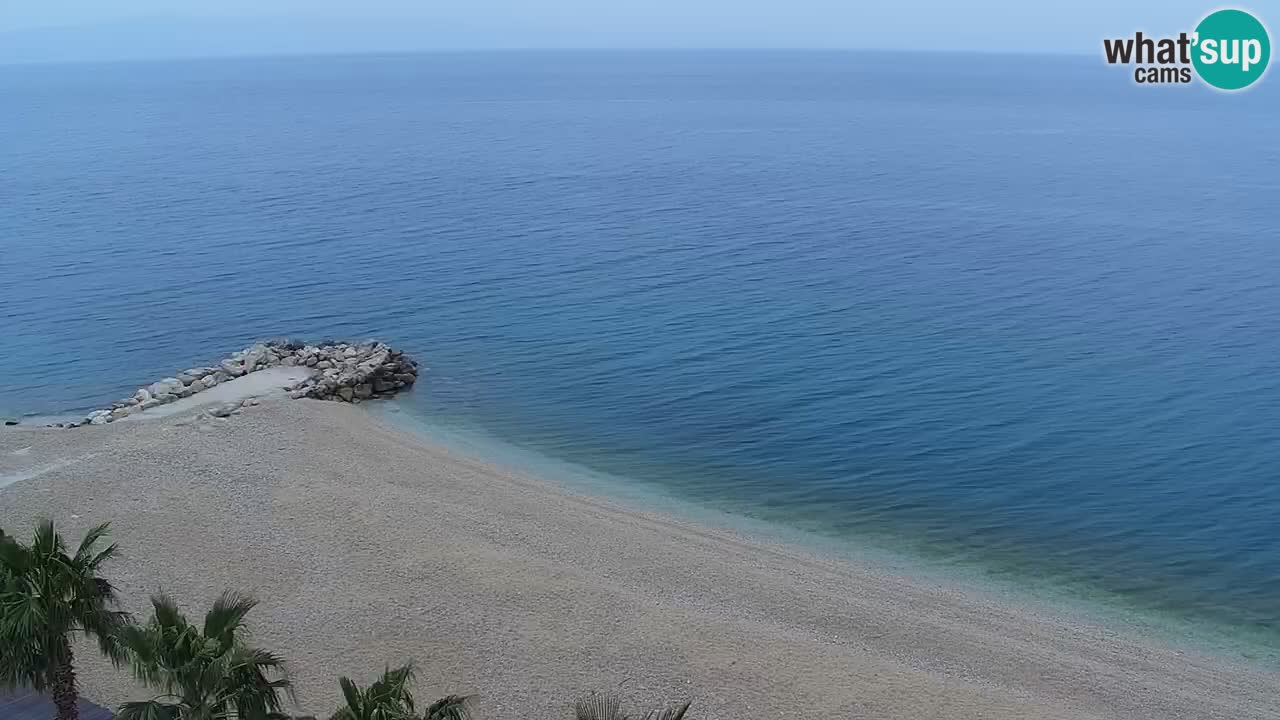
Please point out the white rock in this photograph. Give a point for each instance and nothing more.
(232, 368)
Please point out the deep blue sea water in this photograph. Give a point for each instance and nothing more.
(1012, 312)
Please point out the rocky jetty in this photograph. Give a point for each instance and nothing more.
(347, 372)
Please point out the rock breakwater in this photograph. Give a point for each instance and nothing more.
(346, 372)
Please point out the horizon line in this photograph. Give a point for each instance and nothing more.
(540, 49)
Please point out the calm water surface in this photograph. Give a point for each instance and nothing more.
(1012, 312)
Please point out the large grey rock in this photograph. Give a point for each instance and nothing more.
(364, 390)
(346, 393)
(231, 367)
(251, 361)
(168, 386)
(142, 395)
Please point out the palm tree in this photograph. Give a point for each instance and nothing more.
(203, 673)
(46, 598)
(389, 698)
(598, 706)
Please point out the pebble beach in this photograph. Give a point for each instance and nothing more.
(369, 546)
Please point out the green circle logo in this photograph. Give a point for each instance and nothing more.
(1232, 49)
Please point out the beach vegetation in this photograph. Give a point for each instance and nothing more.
(390, 697)
(48, 597)
(207, 672)
(602, 706)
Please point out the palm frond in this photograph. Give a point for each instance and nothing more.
(673, 712)
(599, 706)
(15, 558)
(166, 613)
(22, 664)
(106, 625)
(84, 553)
(352, 694)
(147, 710)
(391, 698)
(93, 562)
(226, 618)
(450, 707)
(46, 542)
(392, 689)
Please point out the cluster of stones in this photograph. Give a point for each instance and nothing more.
(349, 372)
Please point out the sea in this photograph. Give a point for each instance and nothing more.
(1010, 314)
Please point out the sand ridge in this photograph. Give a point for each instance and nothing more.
(369, 546)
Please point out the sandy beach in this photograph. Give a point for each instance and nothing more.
(368, 546)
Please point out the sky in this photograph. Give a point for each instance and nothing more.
(55, 30)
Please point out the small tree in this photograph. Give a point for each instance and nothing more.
(389, 698)
(46, 598)
(204, 673)
(599, 706)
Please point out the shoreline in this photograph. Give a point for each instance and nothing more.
(512, 586)
(1176, 628)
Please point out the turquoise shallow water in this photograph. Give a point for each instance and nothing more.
(1086, 604)
(1017, 315)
